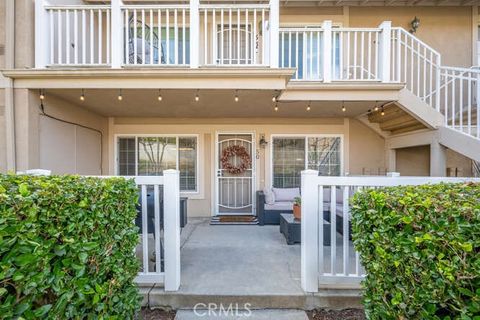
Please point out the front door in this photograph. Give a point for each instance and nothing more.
(234, 174)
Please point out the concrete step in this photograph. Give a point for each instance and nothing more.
(219, 314)
(326, 298)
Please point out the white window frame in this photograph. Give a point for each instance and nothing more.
(306, 136)
(160, 135)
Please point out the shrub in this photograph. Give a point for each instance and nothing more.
(420, 246)
(67, 247)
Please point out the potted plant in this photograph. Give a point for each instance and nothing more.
(297, 208)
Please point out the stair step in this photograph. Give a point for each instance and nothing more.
(328, 298)
(219, 314)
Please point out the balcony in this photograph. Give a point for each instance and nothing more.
(201, 35)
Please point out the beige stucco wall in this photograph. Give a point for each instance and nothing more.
(362, 148)
(413, 161)
(24, 33)
(445, 29)
(3, 159)
(31, 127)
(3, 150)
(458, 165)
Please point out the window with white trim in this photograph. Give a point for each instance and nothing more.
(291, 155)
(151, 155)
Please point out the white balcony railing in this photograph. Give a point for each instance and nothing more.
(235, 35)
(156, 35)
(78, 35)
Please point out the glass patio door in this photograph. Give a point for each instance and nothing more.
(234, 190)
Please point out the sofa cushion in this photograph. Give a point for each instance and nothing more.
(269, 196)
(280, 206)
(286, 194)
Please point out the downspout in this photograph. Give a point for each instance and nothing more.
(9, 92)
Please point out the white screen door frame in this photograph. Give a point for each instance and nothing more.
(222, 204)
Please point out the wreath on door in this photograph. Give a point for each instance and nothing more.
(238, 151)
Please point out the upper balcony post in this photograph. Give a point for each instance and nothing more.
(42, 35)
(274, 32)
(327, 51)
(117, 24)
(384, 51)
(194, 33)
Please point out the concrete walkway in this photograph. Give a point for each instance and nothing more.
(238, 260)
(242, 314)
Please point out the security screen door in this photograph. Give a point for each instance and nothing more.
(234, 191)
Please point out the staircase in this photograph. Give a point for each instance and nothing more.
(435, 97)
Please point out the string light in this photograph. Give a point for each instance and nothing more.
(382, 112)
(120, 97)
(160, 98)
(42, 94)
(343, 106)
(236, 96)
(197, 97)
(274, 99)
(308, 106)
(276, 107)
(376, 106)
(82, 96)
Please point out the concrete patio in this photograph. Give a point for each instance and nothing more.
(239, 264)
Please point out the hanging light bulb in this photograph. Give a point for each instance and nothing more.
(274, 99)
(376, 106)
(160, 98)
(82, 96)
(276, 107)
(42, 94)
(308, 106)
(197, 97)
(343, 106)
(382, 112)
(236, 96)
(120, 97)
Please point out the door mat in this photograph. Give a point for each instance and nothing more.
(234, 220)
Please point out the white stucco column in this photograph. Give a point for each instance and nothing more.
(194, 33)
(391, 160)
(384, 51)
(42, 35)
(274, 32)
(116, 28)
(438, 160)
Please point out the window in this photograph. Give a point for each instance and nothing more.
(145, 156)
(288, 161)
(291, 155)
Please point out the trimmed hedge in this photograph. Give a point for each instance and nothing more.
(420, 246)
(67, 247)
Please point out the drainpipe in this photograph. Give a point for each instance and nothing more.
(9, 99)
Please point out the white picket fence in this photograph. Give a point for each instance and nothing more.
(328, 256)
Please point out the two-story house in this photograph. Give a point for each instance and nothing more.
(136, 87)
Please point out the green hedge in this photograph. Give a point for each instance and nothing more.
(67, 248)
(420, 246)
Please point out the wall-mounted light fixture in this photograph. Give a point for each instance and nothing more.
(262, 142)
(415, 24)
